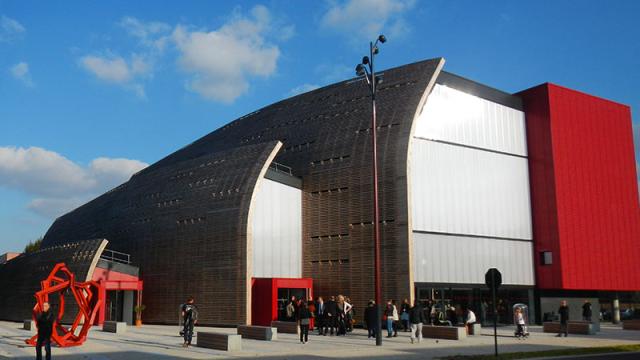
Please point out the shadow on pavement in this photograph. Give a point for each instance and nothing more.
(408, 353)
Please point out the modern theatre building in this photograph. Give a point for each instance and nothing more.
(540, 184)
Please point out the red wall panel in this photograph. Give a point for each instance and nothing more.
(584, 192)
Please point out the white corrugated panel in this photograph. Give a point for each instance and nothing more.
(455, 116)
(277, 231)
(465, 260)
(461, 190)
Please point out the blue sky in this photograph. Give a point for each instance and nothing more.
(91, 91)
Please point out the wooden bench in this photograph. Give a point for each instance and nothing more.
(258, 332)
(443, 332)
(475, 329)
(114, 327)
(219, 341)
(631, 325)
(30, 325)
(573, 327)
(286, 327)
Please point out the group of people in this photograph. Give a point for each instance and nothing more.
(334, 316)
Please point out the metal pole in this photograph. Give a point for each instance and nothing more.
(495, 312)
(376, 210)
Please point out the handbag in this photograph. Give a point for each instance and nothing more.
(304, 321)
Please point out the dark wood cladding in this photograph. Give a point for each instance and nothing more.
(183, 219)
(20, 278)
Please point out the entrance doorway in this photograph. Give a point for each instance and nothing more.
(119, 306)
(285, 295)
(270, 296)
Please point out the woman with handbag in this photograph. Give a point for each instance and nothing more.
(304, 318)
(389, 312)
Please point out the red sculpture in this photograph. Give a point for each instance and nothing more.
(84, 293)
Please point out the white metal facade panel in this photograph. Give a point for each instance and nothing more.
(454, 116)
(461, 190)
(277, 231)
(461, 259)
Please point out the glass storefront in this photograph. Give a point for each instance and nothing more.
(477, 299)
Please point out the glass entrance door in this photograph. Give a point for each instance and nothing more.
(284, 296)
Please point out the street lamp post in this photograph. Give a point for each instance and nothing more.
(366, 69)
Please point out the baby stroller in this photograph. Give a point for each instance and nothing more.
(521, 320)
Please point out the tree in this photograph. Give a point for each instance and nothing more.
(33, 246)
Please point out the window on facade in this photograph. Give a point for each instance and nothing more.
(546, 258)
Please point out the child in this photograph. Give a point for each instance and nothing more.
(519, 320)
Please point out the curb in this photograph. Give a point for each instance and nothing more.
(586, 356)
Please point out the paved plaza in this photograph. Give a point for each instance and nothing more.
(158, 342)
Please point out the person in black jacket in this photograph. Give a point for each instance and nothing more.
(417, 319)
(371, 319)
(586, 311)
(404, 315)
(44, 321)
(190, 318)
(564, 318)
(321, 310)
(304, 319)
(331, 317)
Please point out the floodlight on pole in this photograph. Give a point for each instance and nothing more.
(367, 69)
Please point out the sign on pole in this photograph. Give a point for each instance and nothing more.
(493, 279)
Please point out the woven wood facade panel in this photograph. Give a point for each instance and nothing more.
(20, 278)
(184, 221)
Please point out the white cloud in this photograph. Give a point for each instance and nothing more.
(57, 182)
(368, 18)
(10, 29)
(54, 207)
(302, 89)
(221, 61)
(21, 72)
(286, 32)
(116, 70)
(152, 34)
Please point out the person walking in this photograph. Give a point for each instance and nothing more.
(404, 315)
(563, 310)
(391, 313)
(44, 321)
(321, 316)
(417, 319)
(304, 319)
(586, 311)
(190, 319)
(371, 319)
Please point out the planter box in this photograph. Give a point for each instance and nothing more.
(631, 325)
(114, 327)
(286, 327)
(218, 341)
(573, 327)
(443, 332)
(258, 332)
(30, 325)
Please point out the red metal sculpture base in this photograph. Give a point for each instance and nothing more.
(84, 293)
